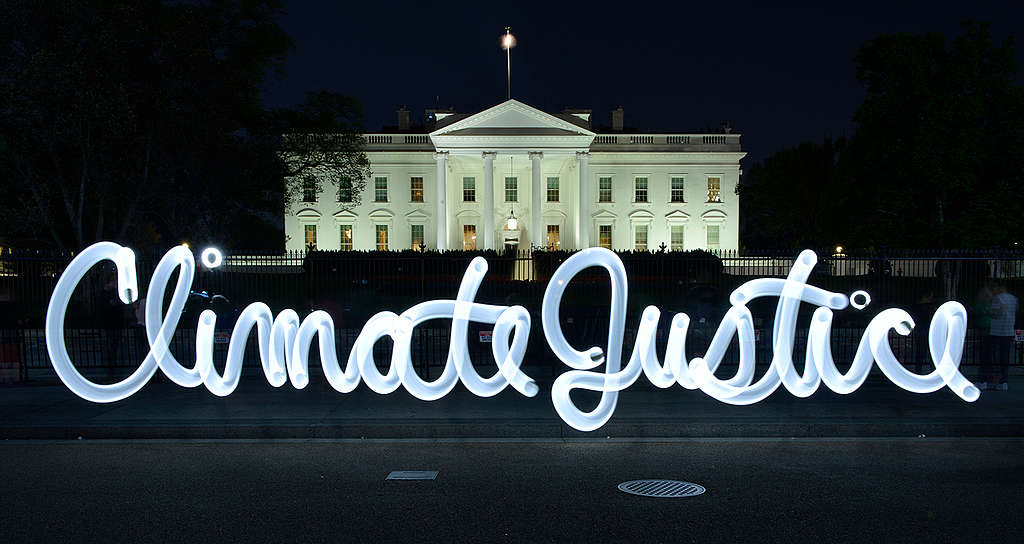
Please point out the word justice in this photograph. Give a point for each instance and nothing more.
(284, 341)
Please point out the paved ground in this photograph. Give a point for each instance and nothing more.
(775, 490)
(257, 410)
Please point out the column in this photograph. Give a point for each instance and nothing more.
(489, 199)
(583, 201)
(536, 237)
(441, 219)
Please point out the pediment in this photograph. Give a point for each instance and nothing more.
(417, 215)
(713, 216)
(603, 214)
(512, 118)
(381, 215)
(638, 215)
(308, 213)
(345, 215)
(677, 216)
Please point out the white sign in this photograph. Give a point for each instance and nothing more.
(284, 341)
(485, 337)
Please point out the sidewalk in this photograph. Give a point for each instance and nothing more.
(257, 410)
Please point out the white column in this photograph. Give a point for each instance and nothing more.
(583, 197)
(441, 219)
(489, 199)
(536, 238)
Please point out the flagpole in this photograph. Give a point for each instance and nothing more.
(508, 41)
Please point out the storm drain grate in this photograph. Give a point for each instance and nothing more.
(661, 488)
(412, 475)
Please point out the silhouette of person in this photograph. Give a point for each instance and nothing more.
(1003, 312)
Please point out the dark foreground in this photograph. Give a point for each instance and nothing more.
(767, 490)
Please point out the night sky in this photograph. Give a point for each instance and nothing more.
(777, 75)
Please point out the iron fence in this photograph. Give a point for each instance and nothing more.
(104, 335)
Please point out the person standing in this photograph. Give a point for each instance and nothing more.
(1003, 312)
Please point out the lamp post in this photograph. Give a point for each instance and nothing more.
(508, 41)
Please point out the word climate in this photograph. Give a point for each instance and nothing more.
(284, 341)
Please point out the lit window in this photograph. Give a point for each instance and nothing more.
(714, 236)
(677, 190)
(605, 236)
(640, 238)
(345, 193)
(604, 190)
(511, 190)
(346, 237)
(380, 189)
(309, 189)
(554, 238)
(416, 185)
(310, 231)
(382, 237)
(469, 189)
(469, 237)
(552, 189)
(677, 237)
(640, 190)
(714, 189)
(417, 237)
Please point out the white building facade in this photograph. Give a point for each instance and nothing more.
(515, 177)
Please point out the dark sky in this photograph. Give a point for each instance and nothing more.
(779, 75)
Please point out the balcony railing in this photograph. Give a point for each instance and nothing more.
(668, 142)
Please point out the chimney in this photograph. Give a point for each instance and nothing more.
(403, 119)
(617, 115)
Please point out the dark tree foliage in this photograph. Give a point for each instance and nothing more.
(931, 164)
(142, 122)
(793, 198)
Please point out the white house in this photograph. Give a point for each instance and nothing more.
(513, 175)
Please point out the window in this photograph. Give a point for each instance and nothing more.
(416, 187)
(345, 193)
(714, 236)
(469, 237)
(554, 237)
(380, 189)
(417, 237)
(605, 236)
(469, 189)
(552, 189)
(640, 238)
(310, 231)
(677, 237)
(511, 190)
(677, 190)
(714, 189)
(640, 190)
(309, 189)
(604, 190)
(346, 237)
(382, 237)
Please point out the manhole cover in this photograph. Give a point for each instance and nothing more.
(661, 488)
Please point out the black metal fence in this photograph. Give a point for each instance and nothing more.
(104, 335)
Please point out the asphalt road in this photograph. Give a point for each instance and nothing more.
(874, 490)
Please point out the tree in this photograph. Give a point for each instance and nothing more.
(795, 198)
(932, 153)
(142, 121)
(321, 140)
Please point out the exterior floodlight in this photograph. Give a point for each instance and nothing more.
(839, 249)
(284, 341)
(211, 257)
(512, 223)
(508, 41)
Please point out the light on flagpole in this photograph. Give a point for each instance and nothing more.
(508, 41)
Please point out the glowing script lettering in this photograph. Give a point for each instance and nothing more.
(284, 341)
